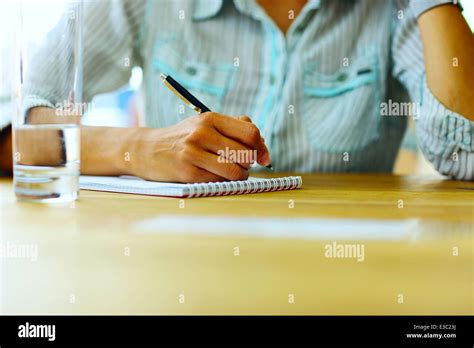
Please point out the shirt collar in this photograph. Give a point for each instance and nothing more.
(204, 9)
(314, 4)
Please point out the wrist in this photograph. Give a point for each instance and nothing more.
(102, 150)
(126, 150)
(131, 158)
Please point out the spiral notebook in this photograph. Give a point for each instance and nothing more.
(134, 185)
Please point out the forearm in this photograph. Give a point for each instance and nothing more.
(6, 164)
(185, 152)
(103, 149)
(449, 58)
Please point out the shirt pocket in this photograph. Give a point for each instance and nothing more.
(209, 82)
(341, 110)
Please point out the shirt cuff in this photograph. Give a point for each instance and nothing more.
(31, 101)
(418, 7)
(443, 129)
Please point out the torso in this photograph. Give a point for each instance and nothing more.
(312, 108)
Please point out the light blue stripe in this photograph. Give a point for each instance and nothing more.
(269, 101)
(333, 91)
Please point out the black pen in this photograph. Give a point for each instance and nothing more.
(183, 94)
(186, 96)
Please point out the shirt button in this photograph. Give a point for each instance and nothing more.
(190, 70)
(342, 77)
(299, 29)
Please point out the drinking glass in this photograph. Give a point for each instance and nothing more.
(47, 94)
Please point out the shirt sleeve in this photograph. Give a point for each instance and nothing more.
(444, 136)
(111, 33)
(418, 7)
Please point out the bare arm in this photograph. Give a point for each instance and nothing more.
(449, 58)
(185, 152)
(432, 51)
(6, 150)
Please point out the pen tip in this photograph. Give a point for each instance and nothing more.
(163, 77)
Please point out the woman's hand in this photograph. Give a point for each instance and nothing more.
(195, 150)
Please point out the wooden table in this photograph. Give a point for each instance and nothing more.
(98, 257)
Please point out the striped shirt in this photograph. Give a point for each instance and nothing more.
(328, 96)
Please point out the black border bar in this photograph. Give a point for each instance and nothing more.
(140, 330)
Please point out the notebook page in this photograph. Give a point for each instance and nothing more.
(130, 184)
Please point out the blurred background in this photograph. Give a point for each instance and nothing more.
(124, 107)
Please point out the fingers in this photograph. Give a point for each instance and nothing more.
(229, 150)
(210, 162)
(245, 118)
(197, 175)
(242, 131)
